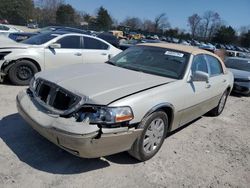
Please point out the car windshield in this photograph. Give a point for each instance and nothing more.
(243, 65)
(40, 38)
(153, 60)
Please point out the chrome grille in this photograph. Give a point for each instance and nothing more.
(54, 97)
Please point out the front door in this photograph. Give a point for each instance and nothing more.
(197, 93)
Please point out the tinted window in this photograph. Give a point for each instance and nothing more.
(91, 43)
(214, 65)
(199, 64)
(70, 42)
(153, 60)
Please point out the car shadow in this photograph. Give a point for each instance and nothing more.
(37, 152)
(6, 82)
(234, 94)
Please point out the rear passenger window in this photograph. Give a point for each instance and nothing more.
(91, 43)
(199, 64)
(214, 65)
(70, 42)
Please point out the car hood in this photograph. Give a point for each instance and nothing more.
(240, 73)
(102, 83)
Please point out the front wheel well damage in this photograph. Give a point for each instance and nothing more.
(6, 66)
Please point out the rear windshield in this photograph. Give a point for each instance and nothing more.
(40, 38)
(243, 65)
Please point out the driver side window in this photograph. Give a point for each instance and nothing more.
(199, 64)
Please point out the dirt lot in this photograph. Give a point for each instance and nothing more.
(211, 152)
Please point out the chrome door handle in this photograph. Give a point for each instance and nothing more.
(208, 85)
(224, 80)
(103, 53)
(78, 54)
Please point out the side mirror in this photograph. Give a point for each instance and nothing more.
(200, 76)
(55, 45)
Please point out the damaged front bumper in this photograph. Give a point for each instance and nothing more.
(78, 138)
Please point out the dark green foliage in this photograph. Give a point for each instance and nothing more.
(103, 20)
(225, 35)
(16, 11)
(65, 15)
(245, 39)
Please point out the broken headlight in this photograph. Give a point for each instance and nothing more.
(105, 115)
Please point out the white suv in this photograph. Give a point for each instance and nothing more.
(20, 61)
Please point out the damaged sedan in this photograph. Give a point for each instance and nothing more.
(129, 103)
(20, 61)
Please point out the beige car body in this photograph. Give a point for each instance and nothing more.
(183, 100)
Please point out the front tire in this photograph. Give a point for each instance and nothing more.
(150, 141)
(22, 72)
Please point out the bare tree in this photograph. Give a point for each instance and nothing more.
(193, 22)
(48, 10)
(148, 25)
(161, 22)
(212, 22)
(134, 23)
(244, 29)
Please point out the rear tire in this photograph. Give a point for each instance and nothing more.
(150, 141)
(220, 107)
(22, 72)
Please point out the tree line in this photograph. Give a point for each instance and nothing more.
(207, 27)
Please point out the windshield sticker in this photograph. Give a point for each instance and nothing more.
(176, 54)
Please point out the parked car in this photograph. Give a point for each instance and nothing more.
(110, 38)
(32, 25)
(7, 29)
(240, 67)
(18, 37)
(20, 61)
(129, 103)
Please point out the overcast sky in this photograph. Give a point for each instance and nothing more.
(234, 12)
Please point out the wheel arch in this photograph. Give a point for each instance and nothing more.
(7, 67)
(168, 108)
(229, 89)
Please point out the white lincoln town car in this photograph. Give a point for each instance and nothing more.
(129, 103)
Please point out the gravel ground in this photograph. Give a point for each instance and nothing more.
(210, 152)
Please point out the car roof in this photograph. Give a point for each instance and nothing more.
(185, 48)
(180, 47)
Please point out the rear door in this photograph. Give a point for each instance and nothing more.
(69, 53)
(95, 50)
(217, 79)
